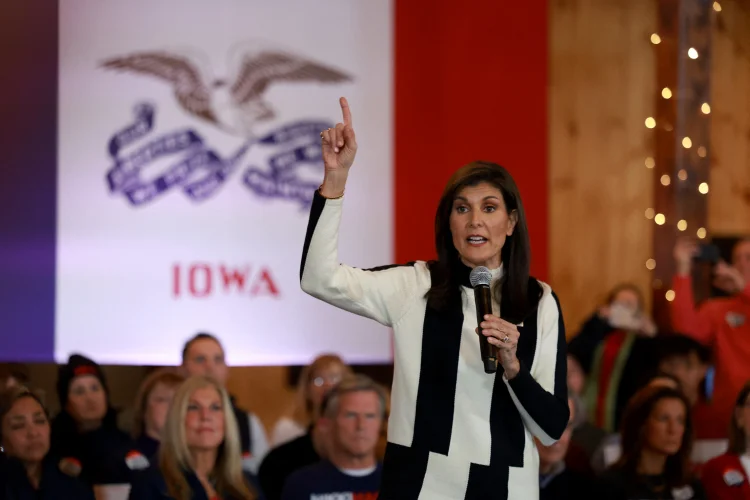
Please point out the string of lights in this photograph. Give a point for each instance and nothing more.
(658, 217)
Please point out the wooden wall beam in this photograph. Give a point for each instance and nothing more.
(682, 133)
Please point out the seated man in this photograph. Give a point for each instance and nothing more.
(556, 480)
(353, 416)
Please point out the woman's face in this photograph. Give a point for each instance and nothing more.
(322, 380)
(665, 427)
(157, 406)
(87, 401)
(204, 421)
(26, 431)
(479, 224)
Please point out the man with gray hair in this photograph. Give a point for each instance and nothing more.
(352, 416)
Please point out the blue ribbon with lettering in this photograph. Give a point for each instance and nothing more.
(125, 175)
(200, 171)
(282, 180)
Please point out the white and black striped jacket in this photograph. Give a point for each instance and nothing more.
(454, 431)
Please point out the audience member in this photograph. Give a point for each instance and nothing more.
(85, 434)
(353, 415)
(27, 470)
(727, 477)
(282, 461)
(556, 480)
(315, 381)
(656, 441)
(586, 437)
(688, 361)
(151, 406)
(200, 454)
(614, 350)
(723, 324)
(203, 354)
(610, 450)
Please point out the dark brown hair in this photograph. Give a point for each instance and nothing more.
(632, 429)
(195, 338)
(738, 435)
(518, 294)
(8, 399)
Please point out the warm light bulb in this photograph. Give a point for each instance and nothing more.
(660, 219)
(682, 225)
(656, 39)
(650, 163)
(706, 108)
(703, 188)
(701, 232)
(687, 143)
(702, 151)
(682, 174)
(649, 213)
(717, 6)
(650, 122)
(692, 53)
(665, 180)
(666, 93)
(669, 295)
(650, 264)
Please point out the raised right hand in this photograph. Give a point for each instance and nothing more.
(339, 143)
(684, 251)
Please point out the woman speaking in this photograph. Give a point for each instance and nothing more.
(455, 432)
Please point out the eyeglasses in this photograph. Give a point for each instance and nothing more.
(331, 380)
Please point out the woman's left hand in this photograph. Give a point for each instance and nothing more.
(505, 336)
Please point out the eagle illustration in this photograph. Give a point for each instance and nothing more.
(233, 108)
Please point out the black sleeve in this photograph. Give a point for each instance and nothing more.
(583, 345)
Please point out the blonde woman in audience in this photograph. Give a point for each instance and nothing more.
(315, 381)
(27, 470)
(203, 354)
(200, 455)
(151, 407)
(727, 477)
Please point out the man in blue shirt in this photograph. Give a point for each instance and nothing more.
(352, 416)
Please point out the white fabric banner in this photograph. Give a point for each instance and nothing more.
(189, 150)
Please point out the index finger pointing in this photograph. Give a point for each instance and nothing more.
(346, 111)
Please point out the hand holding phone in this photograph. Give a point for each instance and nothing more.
(708, 253)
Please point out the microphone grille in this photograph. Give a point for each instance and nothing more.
(480, 276)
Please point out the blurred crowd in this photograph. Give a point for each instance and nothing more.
(654, 415)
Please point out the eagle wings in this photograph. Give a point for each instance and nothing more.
(255, 75)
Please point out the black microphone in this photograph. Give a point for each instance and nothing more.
(480, 279)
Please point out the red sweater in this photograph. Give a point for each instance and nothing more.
(723, 324)
(724, 478)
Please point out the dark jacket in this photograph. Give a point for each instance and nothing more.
(148, 446)
(616, 364)
(620, 486)
(55, 484)
(150, 485)
(106, 455)
(282, 461)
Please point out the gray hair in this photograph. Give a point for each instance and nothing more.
(353, 383)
